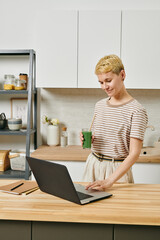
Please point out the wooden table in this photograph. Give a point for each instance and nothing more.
(133, 212)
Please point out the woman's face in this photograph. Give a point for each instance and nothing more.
(112, 83)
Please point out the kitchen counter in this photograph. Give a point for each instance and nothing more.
(133, 207)
(77, 153)
(130, 204)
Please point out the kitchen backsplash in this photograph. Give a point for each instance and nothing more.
(75, 107)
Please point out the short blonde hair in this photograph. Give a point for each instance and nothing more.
(110, 63)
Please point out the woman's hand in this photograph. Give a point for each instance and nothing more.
(100, 185)
(82, 138)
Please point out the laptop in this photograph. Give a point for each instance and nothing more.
(54, 178)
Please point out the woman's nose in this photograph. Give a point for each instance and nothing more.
(105, 85)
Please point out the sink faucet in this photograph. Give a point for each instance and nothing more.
(151, 127)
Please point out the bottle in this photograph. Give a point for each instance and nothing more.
(64, 137)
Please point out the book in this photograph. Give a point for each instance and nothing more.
(20, 187)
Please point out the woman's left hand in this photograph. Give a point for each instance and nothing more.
(100, 185)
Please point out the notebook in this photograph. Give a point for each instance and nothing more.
(54, 178)
(19, 187)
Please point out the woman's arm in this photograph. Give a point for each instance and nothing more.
(134, 152)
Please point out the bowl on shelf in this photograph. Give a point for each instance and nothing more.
(14, 124)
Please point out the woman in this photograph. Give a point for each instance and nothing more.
(118, 129)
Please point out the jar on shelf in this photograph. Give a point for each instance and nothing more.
(9, 81)
(64, 137)
(20, 84)
(24, 77)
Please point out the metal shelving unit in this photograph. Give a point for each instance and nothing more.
(32, 97)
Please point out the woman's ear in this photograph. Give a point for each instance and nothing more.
(123, 74)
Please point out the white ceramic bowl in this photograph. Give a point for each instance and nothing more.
(14, 124)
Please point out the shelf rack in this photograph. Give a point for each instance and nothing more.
(32, 96)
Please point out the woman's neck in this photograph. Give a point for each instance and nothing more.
(120, 98)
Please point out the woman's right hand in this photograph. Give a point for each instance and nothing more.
(82, 138)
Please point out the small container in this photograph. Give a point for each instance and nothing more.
(14, 124)
(64, 137)
(24, 77)
(17, 161)
(9, 81)
(20, 84)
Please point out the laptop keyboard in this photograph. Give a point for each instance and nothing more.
(83, 196)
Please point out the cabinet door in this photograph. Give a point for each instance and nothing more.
(71, 231)
(56, 48)
(15, 230)
(99, 35)
(132, 232)
(141, 48)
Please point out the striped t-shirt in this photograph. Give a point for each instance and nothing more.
(114, 126)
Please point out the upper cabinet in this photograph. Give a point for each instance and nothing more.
(56, 48)
(141, 48)
(69, 44)
(99, 35)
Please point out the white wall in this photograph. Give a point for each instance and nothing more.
(73, 107)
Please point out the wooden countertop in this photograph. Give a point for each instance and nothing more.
(135, 204)
(76, 153)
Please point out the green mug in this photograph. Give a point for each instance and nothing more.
(87, 135)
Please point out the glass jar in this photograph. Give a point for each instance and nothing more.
(24, 76)
(20, 84)
(9, 81)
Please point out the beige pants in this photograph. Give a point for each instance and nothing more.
(96, 170)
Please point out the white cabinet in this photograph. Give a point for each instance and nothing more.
(56, 48)
(60, 41)
(147, 173)
(99, 35)
(141, 48)
(75, 169)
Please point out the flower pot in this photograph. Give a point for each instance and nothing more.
(53, 135)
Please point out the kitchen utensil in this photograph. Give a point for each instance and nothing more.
(3, 121)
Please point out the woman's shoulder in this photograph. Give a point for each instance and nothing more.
(136, 105)
(137, 108)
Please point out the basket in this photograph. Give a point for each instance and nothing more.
(17, 161)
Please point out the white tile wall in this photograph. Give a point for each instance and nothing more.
(75, 107)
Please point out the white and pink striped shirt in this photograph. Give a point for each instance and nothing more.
(114, 125)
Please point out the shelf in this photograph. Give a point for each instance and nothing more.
(12, 174)
(31, 95)
(10, 132)
(17, 52)
(15, 91)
